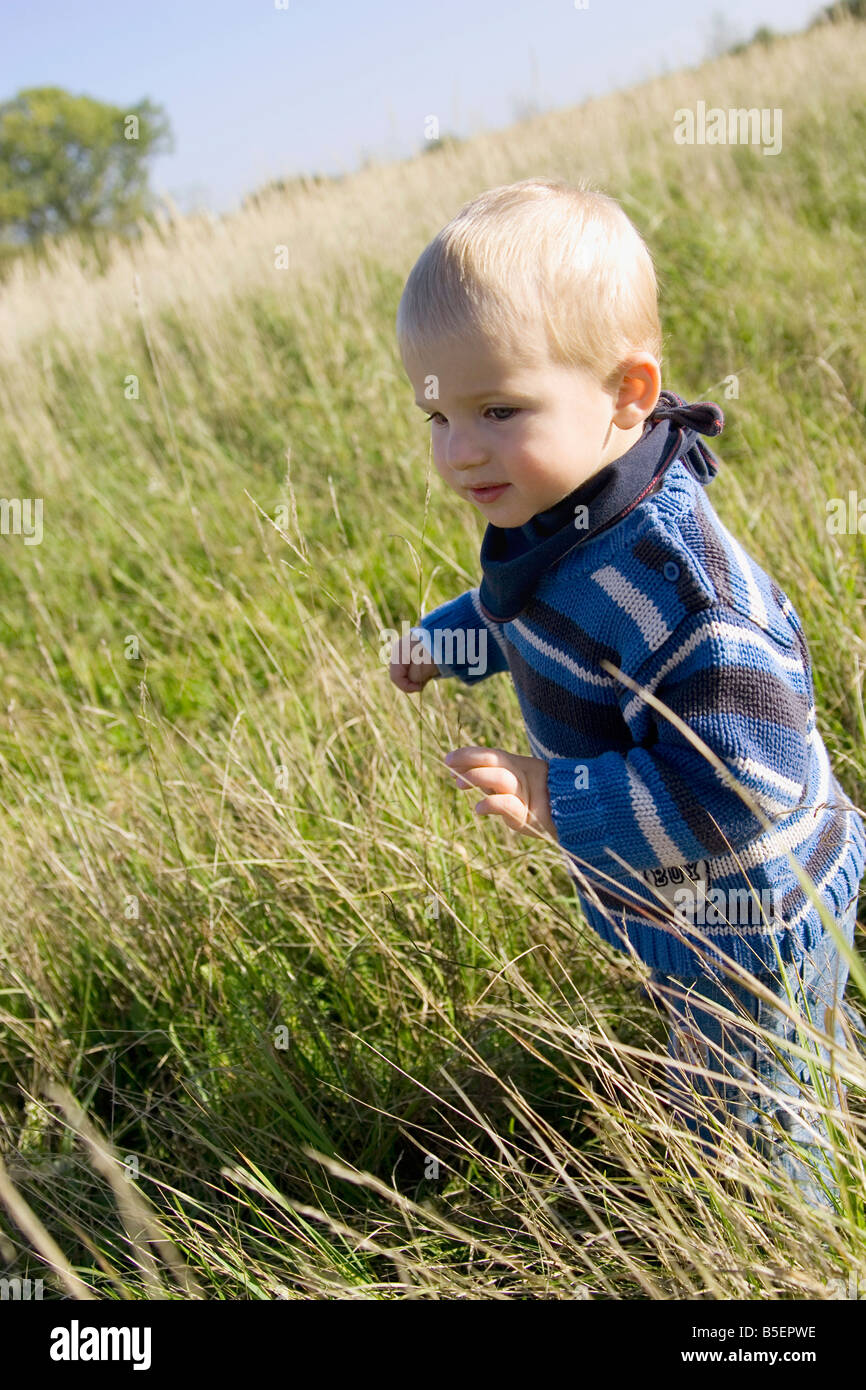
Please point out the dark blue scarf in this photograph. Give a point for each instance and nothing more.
(513, 558)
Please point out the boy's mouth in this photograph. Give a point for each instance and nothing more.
(488, 494)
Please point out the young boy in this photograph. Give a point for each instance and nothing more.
(631, 621)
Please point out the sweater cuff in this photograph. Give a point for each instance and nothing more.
(577, 808)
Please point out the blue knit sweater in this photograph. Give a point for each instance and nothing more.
(663, 850)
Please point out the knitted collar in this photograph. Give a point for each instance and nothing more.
(513, 558)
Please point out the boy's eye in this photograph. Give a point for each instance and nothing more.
(508, 410)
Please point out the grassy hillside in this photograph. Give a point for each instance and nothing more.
(343, 1037)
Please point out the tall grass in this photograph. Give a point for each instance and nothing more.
(259, 963)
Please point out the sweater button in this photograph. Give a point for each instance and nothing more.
(671, 571)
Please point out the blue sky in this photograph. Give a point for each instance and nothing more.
(254, 92)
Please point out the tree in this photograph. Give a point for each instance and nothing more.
(73, 163)
(722, 36)
(843, 9)
(764, 35)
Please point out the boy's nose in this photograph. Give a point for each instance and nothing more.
(465, 455)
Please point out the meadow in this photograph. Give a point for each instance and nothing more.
(280, 1018)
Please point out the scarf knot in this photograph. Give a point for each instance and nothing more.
(701, 417)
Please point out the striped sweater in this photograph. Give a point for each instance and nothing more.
(663, 849)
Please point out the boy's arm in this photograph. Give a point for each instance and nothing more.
(458, 638)
(747, 697)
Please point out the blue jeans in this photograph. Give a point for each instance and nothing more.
(703, 1038)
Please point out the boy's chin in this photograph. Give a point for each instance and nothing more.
(504, 511)
(502, 516)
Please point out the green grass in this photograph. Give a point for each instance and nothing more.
(242, 828)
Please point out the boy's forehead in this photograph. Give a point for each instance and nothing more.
(467, 380)
(479, 351)
(467, 372)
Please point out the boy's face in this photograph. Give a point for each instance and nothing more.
(535, 427)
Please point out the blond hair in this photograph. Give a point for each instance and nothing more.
(539, 254)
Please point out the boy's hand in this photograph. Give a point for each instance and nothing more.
(517, 786)
(411, 676)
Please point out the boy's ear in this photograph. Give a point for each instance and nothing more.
(639, 388)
